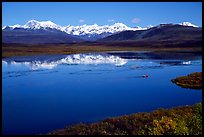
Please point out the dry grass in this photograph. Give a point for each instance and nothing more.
(186, 120)
(193, 81)
(9, 50)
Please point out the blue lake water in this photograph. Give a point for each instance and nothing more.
(44, 93)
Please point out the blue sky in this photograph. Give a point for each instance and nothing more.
(102, 13)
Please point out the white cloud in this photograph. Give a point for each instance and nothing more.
(81, 20)
(135, 20)
(111, 20)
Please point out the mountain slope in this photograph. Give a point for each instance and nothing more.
(86, 32)
(163, 32)
(36, 36)
(48, 32)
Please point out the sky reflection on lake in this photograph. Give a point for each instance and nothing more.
(44, 93)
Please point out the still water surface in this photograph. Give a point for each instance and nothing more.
(44, 93)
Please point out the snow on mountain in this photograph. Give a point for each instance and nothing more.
(12, 27)
(149, 26)
(16, 26)
(33, 24)
(5, 27)
(96, 29)
(84, 30)
(76, 30)
(188, 24)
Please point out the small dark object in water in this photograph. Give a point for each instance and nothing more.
(145, 76)
(142, 76)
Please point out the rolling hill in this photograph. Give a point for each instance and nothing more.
(36, 36)
(163, 32)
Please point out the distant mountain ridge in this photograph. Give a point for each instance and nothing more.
(85, 32)
(163, 32)
(35, 32)
(37, 36)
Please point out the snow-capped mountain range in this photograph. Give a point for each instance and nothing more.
(84, 29)
(188, 24)
(87, 32)
(77, 30)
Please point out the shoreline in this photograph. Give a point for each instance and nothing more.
(10, 50)
(191, 81)
(180, 120)
(174, 121)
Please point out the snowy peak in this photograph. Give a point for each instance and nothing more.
(76, 30)
(96, 29)
(5, 27)
(188, 24)
(119, 25)
(149, 26)
(11, 27)
(83, 30)
(33, 24)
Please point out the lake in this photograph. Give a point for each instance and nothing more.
(48, 92)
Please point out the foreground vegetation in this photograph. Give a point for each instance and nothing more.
(193, 81)
(186, 120)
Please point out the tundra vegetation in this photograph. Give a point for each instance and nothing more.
(193, 81)
(182, 120)
(9, 50)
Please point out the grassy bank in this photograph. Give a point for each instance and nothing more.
(193, 81)
(9, 50)
(185, 120)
